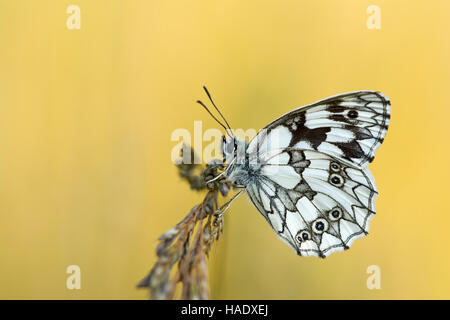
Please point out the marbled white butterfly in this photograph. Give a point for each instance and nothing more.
(306, 172)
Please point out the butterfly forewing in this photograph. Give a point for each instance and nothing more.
(349, 126)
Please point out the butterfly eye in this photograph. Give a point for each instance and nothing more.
(352, 114)
(303, 236)
(224, 145)
(320, 225)
(229, 148)
(335, 167)
(336, 180)
(335, 214)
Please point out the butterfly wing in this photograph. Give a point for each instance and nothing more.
(350, 127)
(312, 183)
(316, 203)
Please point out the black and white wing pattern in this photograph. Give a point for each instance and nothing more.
(310, 176)
(349, 126)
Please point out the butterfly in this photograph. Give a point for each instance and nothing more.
(307, 171)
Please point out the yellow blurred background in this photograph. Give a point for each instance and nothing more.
(86, 118)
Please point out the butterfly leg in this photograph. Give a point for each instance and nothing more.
(216, 177)
(223, 172)
(225, 206)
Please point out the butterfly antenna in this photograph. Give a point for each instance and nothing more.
(209, 96)
(203, 105)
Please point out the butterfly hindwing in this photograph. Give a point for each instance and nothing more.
(314, 202)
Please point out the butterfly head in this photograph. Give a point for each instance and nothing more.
(234, 155)
(233, 149)
(229, 148)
